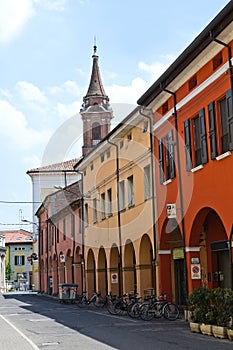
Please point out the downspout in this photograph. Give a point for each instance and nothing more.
(180, 188)
(154, 259)
(83, 276)
(229, 57)
(230, 257)
(118, 216)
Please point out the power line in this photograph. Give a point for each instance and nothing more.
(18, 202)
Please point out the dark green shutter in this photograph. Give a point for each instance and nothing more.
(212, 132)
(204, 154)
(229, 117)
(171, 154)
(188, 148)
(161, 161)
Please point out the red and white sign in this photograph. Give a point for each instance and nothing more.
(114, 277)
(62, 258)
(195, 271)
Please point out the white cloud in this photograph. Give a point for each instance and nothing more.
(65, 111)
(157, 68)
(127, 94)
(15, 131)
(69, 87)
(30, 93)
(14, 15)
(53, 5)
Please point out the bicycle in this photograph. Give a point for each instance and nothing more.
(96, 299)
(159, 307)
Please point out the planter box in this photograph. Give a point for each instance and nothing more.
(206, 329)
(195, 327)
(230, 334)
(219, 332)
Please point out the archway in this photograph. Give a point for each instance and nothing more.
(130, 277)
(145, 264)
(69, 267)
(115, 273)
(91, 276)
(173, 277)
(54, 275)
(209, 234)
(102, 272)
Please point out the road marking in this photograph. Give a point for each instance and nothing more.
(22, 335)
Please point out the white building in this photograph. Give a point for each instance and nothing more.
(2, 263)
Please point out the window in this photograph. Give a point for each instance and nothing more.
(94, 210)
(129, 136)
(80, 223)
(130, 191)
(196, 146)
(64, 229)
(108, 153)
(86, 220)
(72, 218)
(102, 157)
(109, 196)
(217, 60)
(166, 158)
(102, 203)
(96, 133)
(145, 127)
(122, 144)
(192, 82)
(147, 182)
(225, 122)
(165, 108)
(122, 195)
(58, 232)
(19, 260)
(91, 166)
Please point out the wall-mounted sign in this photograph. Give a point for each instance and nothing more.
(171, 211)
(62, 258)
(114, 277)
(195, 271)
(195, 260)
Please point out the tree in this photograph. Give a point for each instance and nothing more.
(8, 271)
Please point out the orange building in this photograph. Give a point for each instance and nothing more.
(193, 142)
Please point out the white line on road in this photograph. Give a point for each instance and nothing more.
(22, 335)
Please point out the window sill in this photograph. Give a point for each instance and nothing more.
(199, 167)
(224, 155)
(167, 182)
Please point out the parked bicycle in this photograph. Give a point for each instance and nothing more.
(159, 307)
(96, 299)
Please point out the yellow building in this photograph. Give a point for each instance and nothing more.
(118, 209)
(19, 249)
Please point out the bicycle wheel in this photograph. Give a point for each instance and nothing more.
(133, 310)
(99, 301)
(111, 307)
(146, 312)
(158, 310)
(170, 311)
(120, 308)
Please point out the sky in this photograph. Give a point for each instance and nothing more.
(46, 49)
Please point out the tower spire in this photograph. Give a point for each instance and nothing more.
(96, 112)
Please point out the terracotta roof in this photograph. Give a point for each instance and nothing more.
(63, 166)
(17, 236)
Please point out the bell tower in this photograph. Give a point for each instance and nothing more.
(96, 111)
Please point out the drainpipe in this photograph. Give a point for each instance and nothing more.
(180, 188)
(83, 276)
(230, 257)
(154, 259)
(118, 216)
(229, 57)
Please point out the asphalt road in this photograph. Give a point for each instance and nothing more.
(30, 321)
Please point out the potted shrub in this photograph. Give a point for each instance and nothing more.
(199, 304)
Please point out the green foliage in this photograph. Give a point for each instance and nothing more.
(8, 272)
(211, 306)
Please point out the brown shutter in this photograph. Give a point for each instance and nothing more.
(161, 161)
(204, 154)
(229, 117)
(212, 132)
(188, 148)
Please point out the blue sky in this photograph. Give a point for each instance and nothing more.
(45, 59)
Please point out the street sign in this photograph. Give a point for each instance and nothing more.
(29, 258)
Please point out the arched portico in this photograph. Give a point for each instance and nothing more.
(102, 283)
(115, 278)
(145, 264)
(129, 270)
(91, 272)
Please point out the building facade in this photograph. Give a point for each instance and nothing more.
(19, 249)
(193, 132)
(119, 215)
